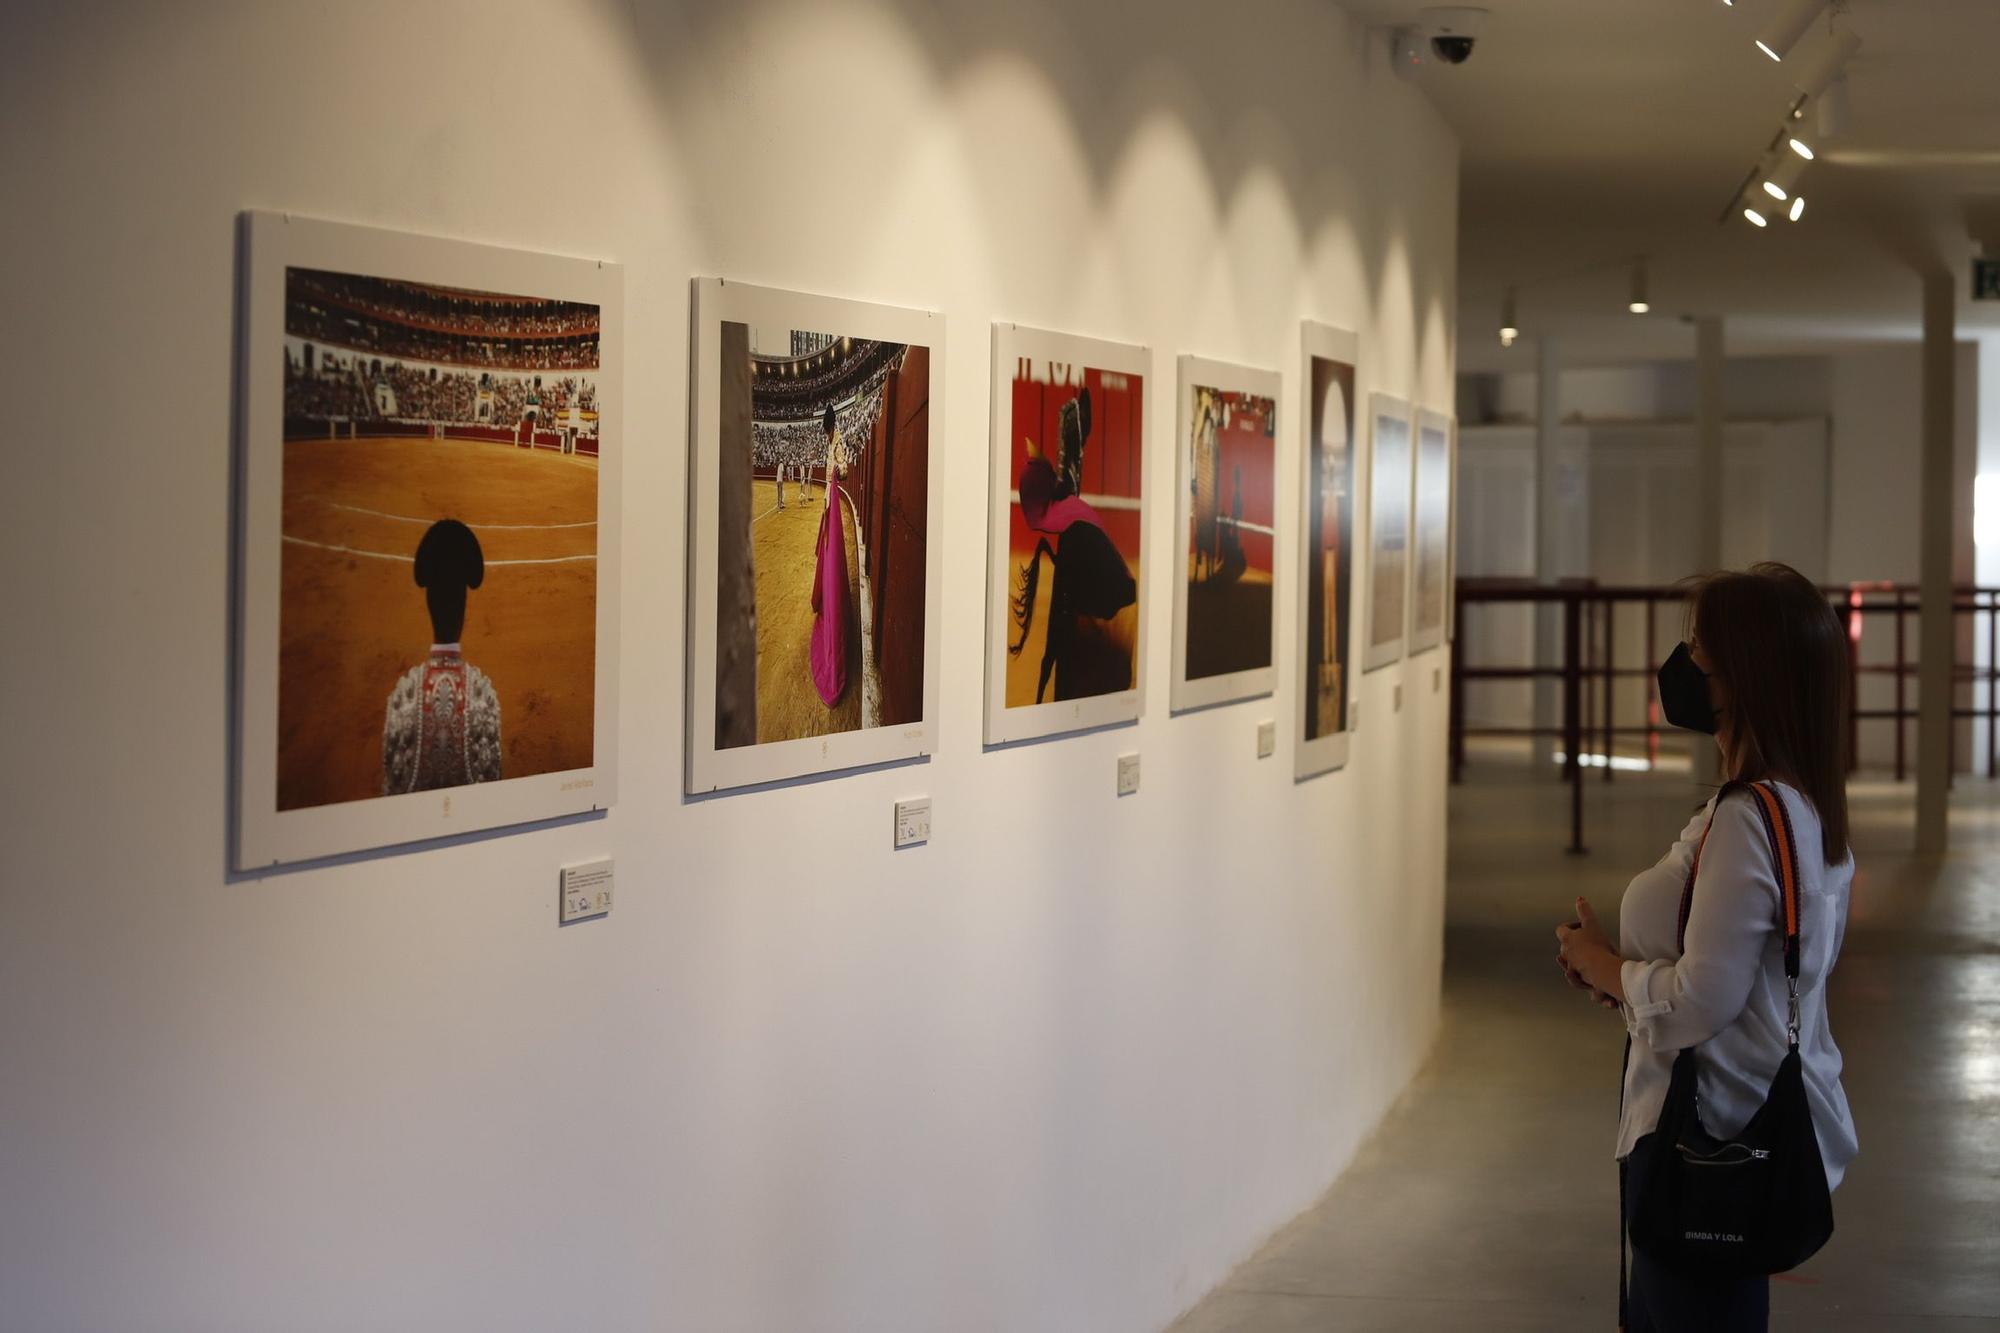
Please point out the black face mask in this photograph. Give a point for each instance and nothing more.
(1684, 693)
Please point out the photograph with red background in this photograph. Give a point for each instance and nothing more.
(1075, 452)
(1231, 456)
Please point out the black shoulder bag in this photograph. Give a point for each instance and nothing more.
(1754, 1204)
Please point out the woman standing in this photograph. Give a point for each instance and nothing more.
(1765, 671)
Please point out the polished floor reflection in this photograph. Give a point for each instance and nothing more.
(1487, 1200)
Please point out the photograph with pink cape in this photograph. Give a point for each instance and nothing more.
(819, 618)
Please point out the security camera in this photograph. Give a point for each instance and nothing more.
(1454, 30)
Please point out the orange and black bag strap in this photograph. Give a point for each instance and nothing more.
(1777, 822)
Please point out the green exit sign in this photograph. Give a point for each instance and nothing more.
(1986, 279)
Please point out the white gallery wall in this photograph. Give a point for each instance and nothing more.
(1986, 522)
(1058, 1069)
(1753, 387)
(1875, 520)
(1870, 396)
(1821, 458)
(1627, 520)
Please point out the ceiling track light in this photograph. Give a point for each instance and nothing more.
(1775, 175)
(1756, 208)
(1789, 24)
(1798, 208)
(1510, 322)
(1781, 180)
(1640, 302)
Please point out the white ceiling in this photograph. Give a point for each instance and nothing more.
(1597, 130)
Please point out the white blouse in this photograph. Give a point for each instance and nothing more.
(1726, 993)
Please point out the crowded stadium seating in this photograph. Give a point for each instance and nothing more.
(804, 442)
(372, 356)
(349, 394)
(421, 323)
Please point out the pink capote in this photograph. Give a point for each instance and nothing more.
(833, 615)
(1041, 511)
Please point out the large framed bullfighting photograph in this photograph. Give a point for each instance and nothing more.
(1430, 549)
(1327, 478)
(1226, 450)
(813, 583)
(1388, 530)
(1066, 534)
(427, 555)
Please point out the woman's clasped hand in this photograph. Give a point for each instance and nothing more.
(1585, 955)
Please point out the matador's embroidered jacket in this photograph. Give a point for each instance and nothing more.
(442, 728)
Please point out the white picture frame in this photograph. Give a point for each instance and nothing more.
(266, 835)
(1318, 748)
(1195, 376)
(1451, 565)
(710, 767)
(1430, 535)
(1390, 445)
(1070, 360)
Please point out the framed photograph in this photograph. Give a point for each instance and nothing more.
(1327, 476)
(1066, 534)
(813, 584)
(1225, 595)
(1430, 568)
(1388, 530)
(1451, 546)
(428, 549)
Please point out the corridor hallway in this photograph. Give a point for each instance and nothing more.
(1487, 1199)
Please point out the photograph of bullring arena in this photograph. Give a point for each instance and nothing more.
(821, 586)
(438, 602)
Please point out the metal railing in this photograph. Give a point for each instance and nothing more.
(1588, 671)
(1901, 601)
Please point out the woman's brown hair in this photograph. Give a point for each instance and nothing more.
(1780, 651)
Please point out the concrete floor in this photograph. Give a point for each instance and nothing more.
(1488, 1199)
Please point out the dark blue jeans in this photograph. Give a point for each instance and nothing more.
(1666, 1300)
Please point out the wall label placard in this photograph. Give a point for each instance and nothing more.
(913, 821)
(586, 890)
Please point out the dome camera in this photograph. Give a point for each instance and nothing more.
(1454, 31)
(1452, 50)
